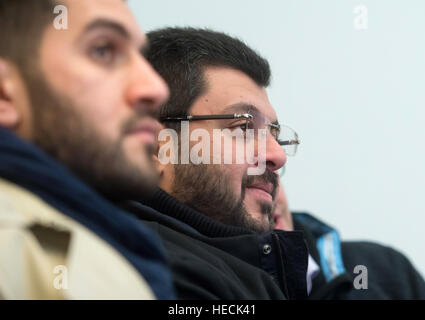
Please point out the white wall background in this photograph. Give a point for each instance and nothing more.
(356, 98)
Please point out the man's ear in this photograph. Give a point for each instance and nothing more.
(166, 172)
(9, 113)
(163, 183)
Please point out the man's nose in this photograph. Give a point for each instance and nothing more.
(146, 88)
(275, 155)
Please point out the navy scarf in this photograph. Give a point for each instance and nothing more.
(29, 167)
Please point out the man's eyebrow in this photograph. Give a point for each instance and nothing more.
(242, 107)
(108, 24)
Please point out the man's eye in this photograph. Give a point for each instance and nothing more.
(242, 126)
(104, 53)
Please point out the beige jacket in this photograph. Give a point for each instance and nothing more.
(47, 255)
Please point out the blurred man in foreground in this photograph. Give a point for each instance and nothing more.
(77, 114)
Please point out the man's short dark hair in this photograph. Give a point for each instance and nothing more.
(22, 23)
(180, 56)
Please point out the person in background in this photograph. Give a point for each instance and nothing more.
(282, 217)
(387, 274)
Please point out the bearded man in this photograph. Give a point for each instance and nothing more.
(216, 217)
(78, 123)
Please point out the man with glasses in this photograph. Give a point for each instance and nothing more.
(212, 78)
(217, 221)
(218, 84)
(254, 215)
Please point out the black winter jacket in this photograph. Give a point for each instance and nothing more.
(210, 260)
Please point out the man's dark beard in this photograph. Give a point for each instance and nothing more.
(69, 138)
(208, 189)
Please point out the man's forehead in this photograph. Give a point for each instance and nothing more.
(228, 90)
(239, 107)
(84, 15)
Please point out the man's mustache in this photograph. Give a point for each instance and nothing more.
(267, 177)
(141, 114)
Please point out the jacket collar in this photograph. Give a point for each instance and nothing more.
(324, 245)
(52, 241)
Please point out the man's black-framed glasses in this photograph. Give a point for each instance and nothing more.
(284, 135)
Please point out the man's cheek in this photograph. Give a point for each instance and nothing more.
(235, 174)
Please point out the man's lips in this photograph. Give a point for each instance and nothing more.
(267, 187)
(264, 190)
(146, 130)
